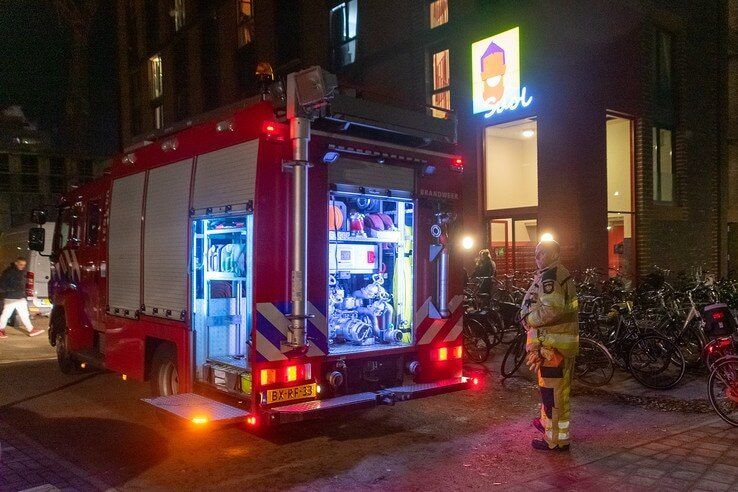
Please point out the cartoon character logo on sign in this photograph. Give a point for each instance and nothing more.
(496, 78)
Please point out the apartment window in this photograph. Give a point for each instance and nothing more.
(344, 17)
(245, 22)
(156, 91)
(441, 92)
(438, 13)
(178, 13)
(29, 168)
(155, 77)
(663, 164)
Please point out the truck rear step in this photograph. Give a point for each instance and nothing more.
(322, 408)
(193, 407)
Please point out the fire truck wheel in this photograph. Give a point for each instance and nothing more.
(66, 361)
(164, 375)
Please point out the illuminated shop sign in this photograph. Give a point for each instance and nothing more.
(496, 84)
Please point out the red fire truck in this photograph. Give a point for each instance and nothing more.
(205, 261)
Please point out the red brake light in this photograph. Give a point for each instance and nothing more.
(30, 283)
(718, 315)
(458, 352)
(290, 374)
(443, 353)
(267, 376)
(274, 131)
(251, 420)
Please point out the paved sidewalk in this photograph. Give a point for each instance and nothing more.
(26, 465)
(704, 457)
(20, 347)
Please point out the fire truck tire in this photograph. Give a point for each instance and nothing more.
(164, 373)
(66, 361)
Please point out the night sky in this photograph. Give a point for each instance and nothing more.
(34, 69)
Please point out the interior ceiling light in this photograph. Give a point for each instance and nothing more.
(527, 133)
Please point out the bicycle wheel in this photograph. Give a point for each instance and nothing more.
(495, 327)
(593, 366)
(691, 347)
(723, 389)
(656, 362)
(476, 343)
(514, 356)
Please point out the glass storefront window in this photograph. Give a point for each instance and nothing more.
(620, 216)
(511, 165)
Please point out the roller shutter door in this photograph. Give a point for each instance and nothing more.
(226, 177)
(165, 240)
(372, 175)
(124, 246)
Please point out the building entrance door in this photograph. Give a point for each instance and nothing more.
(512, 243)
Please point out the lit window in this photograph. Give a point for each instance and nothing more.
(441, 93)
(663, 165)
(178, 12)
(245, 22)
(438, 13)
(155, 77)
(158, 116)
(344, 19)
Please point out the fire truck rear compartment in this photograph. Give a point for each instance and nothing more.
(221, 301)
(371, 243)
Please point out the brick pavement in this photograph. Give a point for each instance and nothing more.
(704, 457)
(26, 465)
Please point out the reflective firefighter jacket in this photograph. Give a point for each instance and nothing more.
(552, 311)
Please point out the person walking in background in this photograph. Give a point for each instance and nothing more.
(484, 269)
(13, 285)
(550, 313)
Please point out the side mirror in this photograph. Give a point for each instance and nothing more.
(38, 217)
(37, 239)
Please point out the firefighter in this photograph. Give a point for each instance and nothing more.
(550, 314)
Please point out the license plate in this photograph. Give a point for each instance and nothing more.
(45, 302)
(286, 394)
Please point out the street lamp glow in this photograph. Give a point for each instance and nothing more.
(467, 242)
(547, 237)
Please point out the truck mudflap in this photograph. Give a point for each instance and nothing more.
(323, 408)
(198, 409)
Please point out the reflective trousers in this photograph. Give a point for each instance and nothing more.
(555, 386)
(19, 305)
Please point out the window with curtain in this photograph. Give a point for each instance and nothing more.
(441, 88)
(438, 13)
